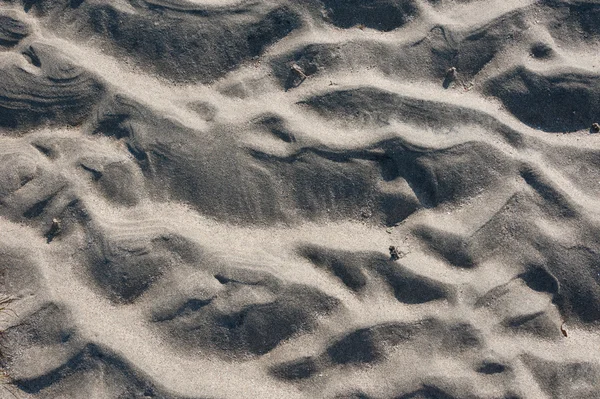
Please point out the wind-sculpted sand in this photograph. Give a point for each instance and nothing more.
(198, 199)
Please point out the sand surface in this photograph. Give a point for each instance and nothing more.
(198, 197)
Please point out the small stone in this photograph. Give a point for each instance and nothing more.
(595, 128)
(54, 230)
(451, 74)
(394, 253)
(563, 330)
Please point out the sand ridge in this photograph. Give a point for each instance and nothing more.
(197, 198)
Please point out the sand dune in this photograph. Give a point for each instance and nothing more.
(198, 199)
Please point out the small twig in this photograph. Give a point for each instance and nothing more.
(299, 71)
(4, 302)
(11, 392)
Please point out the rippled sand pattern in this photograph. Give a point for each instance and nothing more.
(198, 199)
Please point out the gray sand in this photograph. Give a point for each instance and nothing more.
(198, 199)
